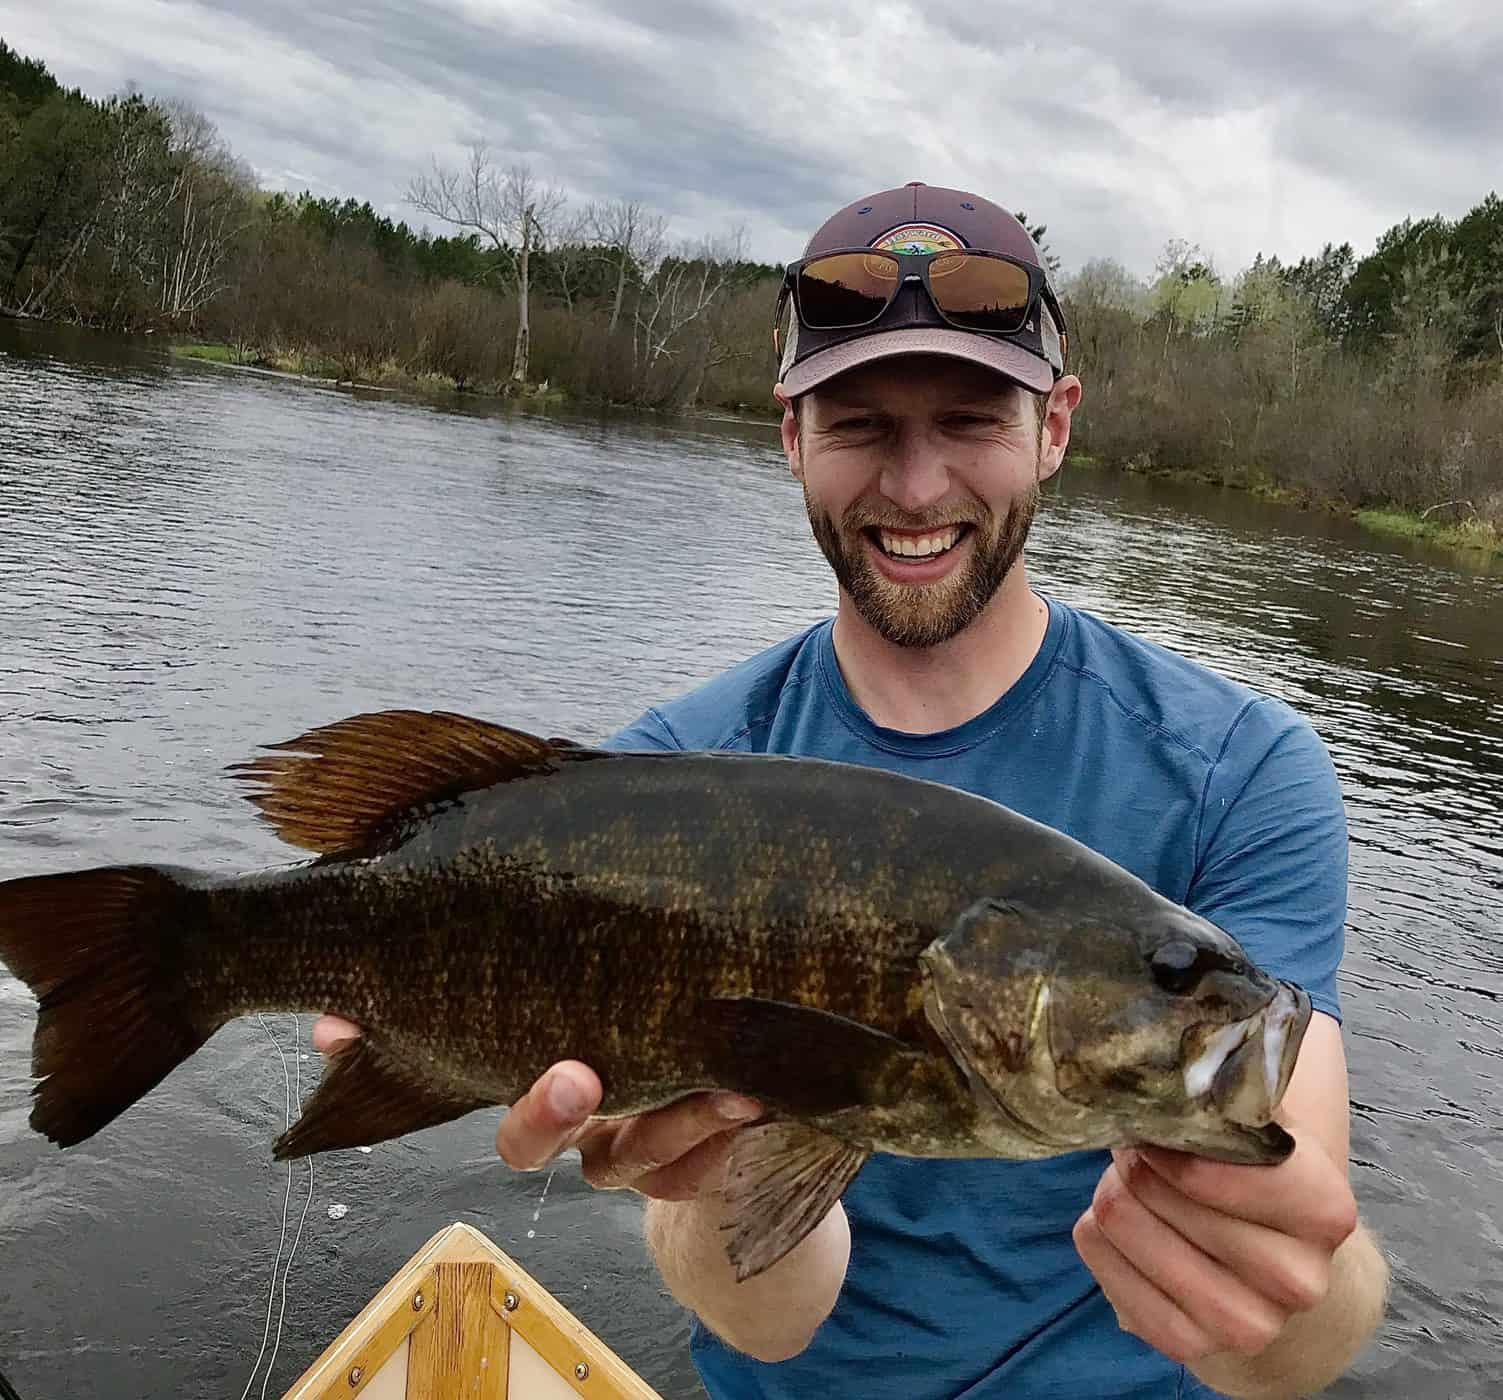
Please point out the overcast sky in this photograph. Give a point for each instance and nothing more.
(1239, 125)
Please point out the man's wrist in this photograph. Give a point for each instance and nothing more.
(1319, 1345)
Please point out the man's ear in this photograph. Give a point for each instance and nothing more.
(792, 449)
(1063, 400)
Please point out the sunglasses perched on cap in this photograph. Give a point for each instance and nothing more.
(971, 289)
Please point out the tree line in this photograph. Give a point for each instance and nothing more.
(1373, 380)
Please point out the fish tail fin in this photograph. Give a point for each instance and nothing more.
(102, 952)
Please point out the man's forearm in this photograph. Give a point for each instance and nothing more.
(772, 1316)
(1316, 1346)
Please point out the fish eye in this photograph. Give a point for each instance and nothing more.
(1178, 966)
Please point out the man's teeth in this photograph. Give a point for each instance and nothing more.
(921, 546)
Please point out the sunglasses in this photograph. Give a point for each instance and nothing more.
(971, 289)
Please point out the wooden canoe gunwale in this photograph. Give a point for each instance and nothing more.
(451, 1299)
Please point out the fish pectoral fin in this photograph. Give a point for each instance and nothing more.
(365, 1097)
(809, 1061)
(781, 1178)
(348, 785)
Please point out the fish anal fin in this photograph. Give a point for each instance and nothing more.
(347, 785)
(364, 1098)
(806, 1060)
(781, 1179)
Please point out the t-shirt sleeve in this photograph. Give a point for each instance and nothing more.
(648, 731)
(1271, 848)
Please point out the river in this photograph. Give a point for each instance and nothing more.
(194, 561)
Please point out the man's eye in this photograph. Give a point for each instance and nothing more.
(853, 425)
(966, 420)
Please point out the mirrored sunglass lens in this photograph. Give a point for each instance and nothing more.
(846, 289)
(984, 294)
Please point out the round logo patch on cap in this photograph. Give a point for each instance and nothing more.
(918, 239)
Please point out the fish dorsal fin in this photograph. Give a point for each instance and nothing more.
(780, 1180)
(348, 784)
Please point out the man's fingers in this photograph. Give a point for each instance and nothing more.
(650, 1142)
(330, 1033)
(1306, 1196)
(1232, 1314)
(549, 1116)
(698, 1171)
(1295, 1274)
(1141, 1307)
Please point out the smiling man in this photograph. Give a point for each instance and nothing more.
(926, 399)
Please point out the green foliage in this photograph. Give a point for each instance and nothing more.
(1039, 232)
(25, 81)
(1370, 300)
(1321, 283)
(1187, 290)
(50, 194)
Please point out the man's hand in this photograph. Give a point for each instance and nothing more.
(672, 1154)
(1256, 1278)
(1201, 1258)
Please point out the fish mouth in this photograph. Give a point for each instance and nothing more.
(1246, 1066)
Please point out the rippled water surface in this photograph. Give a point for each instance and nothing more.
(195, 561)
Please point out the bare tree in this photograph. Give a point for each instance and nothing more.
(511, 210)
(568, 253)
(679, 292)
(631, 238)
(208, 209)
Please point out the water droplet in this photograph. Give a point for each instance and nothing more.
(366, 1150)
(338, 1212)
(532, 1234)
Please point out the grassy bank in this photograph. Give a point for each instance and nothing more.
(1469, 534)
(386, 374)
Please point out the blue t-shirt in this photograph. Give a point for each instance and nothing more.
(963, 1278)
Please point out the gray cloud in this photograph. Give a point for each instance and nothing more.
(1244, 125)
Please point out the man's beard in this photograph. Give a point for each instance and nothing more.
(923, 614)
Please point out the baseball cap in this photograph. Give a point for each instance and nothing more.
(919, 218)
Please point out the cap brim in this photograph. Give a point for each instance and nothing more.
(1009, 360)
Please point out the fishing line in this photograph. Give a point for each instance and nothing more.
(286, 1203)
(302, 1220)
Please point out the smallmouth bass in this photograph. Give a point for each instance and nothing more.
(886, 964)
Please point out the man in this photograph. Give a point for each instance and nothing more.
(925, 400)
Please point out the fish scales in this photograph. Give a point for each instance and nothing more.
(501, 916)
(885, 963)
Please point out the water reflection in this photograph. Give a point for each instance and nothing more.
(194, 561)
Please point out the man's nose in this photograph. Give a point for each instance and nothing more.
(915, 477)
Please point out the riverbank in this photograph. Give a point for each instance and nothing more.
(326, 369)
(1467, 533)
